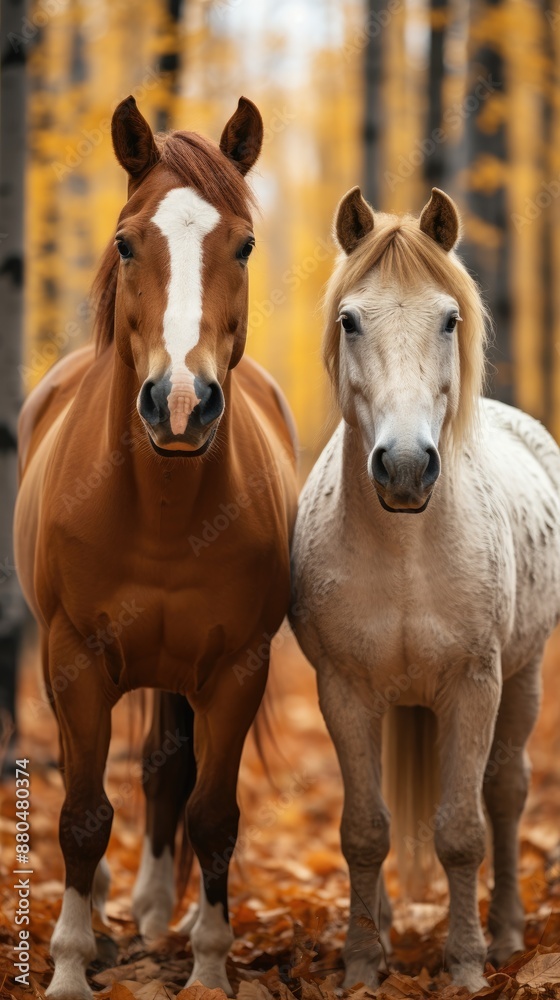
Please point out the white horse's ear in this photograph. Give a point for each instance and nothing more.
(440, 220)
(353, 220)
(242, 137)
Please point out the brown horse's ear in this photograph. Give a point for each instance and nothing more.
(440, 220)
(243, 135)
(353, 220)
(133, 140)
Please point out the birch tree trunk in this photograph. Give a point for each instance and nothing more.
(170, 64)
(435, 163)
(373, 69)
(486, 247)
(12, 159)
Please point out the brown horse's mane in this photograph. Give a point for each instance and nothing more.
(198, 162)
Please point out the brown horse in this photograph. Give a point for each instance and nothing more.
(153, 526)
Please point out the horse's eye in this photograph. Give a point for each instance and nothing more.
(451, 323)
(246, 250)
(124, 249)
(348, 323)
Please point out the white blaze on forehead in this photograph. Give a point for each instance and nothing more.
(184, 218)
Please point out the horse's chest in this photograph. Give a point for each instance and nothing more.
(171, 608)
(403, 621)
(167, 637)
(409, 613)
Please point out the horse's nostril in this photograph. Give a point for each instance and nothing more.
(212, 403)
(146, 405)
(433, 467)
(153, 403)
(381, 466)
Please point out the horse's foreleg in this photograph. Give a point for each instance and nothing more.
(466, 721)
(169, 773)
(83, 700)
(365, 821)
(505, 790)
(213, 816)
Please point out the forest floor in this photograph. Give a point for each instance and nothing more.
(289, 884)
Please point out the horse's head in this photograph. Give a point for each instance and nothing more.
(181, 248)
(404, 342)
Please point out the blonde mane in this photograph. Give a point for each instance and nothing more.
(401, 251)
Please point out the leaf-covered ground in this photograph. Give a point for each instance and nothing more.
(289, 887)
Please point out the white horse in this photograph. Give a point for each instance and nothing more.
(447, 610)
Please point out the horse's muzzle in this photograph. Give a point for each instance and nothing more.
(188, 427)
(404, 481)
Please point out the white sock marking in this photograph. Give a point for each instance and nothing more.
(72, 947)
(211, 939)
(153, 897)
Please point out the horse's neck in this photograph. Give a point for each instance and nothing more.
(362, 507)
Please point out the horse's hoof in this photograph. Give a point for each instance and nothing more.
(212, 979)
(360, 972)
(469, 976)
(152, 928)
(107, 950)
(501, 951)
(152, 917)
(69, 985)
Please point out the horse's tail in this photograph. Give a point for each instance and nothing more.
(184, 856)
(411, 788)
